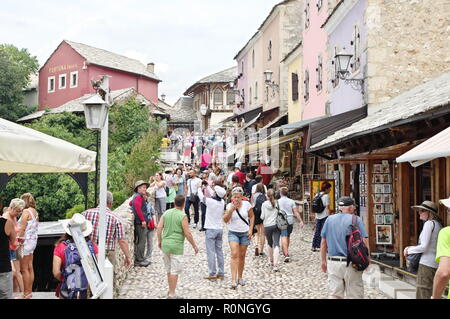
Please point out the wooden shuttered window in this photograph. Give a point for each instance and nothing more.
(294, 86)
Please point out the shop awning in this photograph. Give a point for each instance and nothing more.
(217, 118)
(276, 121)
(418, 103)
(293, 127)
(247, 115)
(272, 142)
(435, 147)
(24, 150)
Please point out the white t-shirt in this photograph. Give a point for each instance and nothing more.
(229, 179)
(193, 184)
(236, 224)
(287, 205)
(269, 214)
(254, 188)
(161, 191)
(326, 201)
(214, 211)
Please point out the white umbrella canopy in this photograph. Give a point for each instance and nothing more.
(24, 150)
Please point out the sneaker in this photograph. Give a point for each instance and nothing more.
(241, 282)
(174, 297)
(234, 285)
(195, 226)
(256, 251)
(146, 263)
(286, 259)
(262, 254)
(220, 276)
(210, 277)
(275, 268)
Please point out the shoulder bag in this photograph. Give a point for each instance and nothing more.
(412, 260)
(246, 222)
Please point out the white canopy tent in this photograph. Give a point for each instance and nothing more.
(435, 147)
(24, 150)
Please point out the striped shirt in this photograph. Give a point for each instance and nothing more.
(114, 227)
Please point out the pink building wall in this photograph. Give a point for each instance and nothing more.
(66, 60)
(315, 44)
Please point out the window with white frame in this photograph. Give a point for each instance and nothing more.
(319, 72)
(307, 14)
(270, 51)
(231, 98)
(256, 91)
(51, 84)
(253, 58)
(306, 86)
(218, 97)
(62, 81)
(356, 43)
(319, 4)
(334, 71)
(74, 79)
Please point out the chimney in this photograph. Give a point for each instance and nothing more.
(151, 67)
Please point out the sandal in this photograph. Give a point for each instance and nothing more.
(234, 285)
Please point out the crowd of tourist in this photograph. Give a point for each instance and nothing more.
(188, 197)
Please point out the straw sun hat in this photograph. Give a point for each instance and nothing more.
(78, 220)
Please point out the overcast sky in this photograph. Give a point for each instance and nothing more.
(186, 39)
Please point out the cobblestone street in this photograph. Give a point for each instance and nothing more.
(301, 278)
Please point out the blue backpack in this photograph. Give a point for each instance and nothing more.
(75, 284)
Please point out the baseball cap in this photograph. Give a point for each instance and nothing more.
(346, 201)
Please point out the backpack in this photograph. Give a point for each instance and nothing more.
(357, 254)
(75, 284)
(317, 204)
(258, 204)
(282, 218)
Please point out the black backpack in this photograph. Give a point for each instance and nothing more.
(317, 204)
(358, 254)
(258, 203)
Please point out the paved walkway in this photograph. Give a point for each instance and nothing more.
(299, 279)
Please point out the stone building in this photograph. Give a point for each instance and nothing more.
(214, 94)
(276, 37)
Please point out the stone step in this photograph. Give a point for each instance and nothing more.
(406, 294)
(39, 295)
(392, 287)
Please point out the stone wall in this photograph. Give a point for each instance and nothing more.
(121, 272)
(408, 44)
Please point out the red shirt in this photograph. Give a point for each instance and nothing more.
(266, 173)
(241, 177)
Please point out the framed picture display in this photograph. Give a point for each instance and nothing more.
(385, 178)
(383, 234)
(387, 188)
(388, 219)
(362, 168)
(378, 188)
(378, 198)
(362, 179)
(385, 169)
(378, 209)
(387, 198)
(362, 189)
(377, 168)
(379, 219)
(388, 209)
(377, 178)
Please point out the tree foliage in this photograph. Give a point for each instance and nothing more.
(134, 144)
(16, 66)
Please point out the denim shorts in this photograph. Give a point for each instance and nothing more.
(288, 231)
(12, 255)
(241, 238)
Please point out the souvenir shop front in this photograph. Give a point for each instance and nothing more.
(384, 189)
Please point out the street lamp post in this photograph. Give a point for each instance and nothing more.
(343, 62)
(96, 114)
(268, 80)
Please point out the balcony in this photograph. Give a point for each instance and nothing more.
(221, 107)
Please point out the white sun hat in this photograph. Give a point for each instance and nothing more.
(445, 202)
(78, 220)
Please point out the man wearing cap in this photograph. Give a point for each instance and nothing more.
(213, 224)
(428, 213)
(442, 276)
(114, 232)
(343, 281)
(139, 208)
